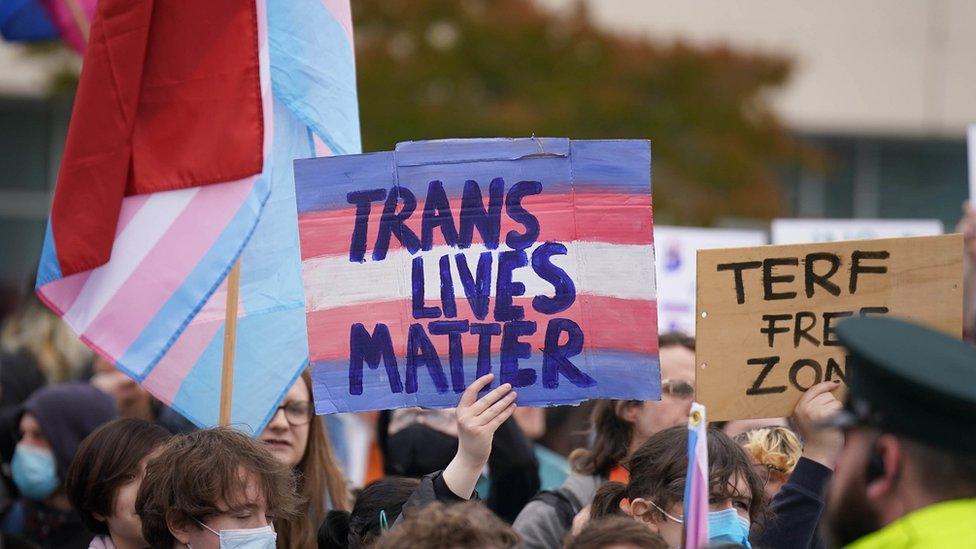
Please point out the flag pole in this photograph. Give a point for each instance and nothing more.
(230, 342)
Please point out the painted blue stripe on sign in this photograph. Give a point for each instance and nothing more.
(614, 371)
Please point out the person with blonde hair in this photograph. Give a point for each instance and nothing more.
(60, 355)
(775, 452)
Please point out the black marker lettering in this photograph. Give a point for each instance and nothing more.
(767, 363)
(857, 269)
(737, 268)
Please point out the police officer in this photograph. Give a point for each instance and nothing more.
(907, 474)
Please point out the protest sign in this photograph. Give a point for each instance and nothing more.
(767, 315)
(801, 231)
(433, 264)
(677, 248)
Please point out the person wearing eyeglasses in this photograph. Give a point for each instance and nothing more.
(617, 429)
(299, 440)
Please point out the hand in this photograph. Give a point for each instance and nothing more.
(967, 226)
(477, 420)
(817, 404)
(580, 521)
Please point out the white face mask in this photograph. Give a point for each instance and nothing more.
(246, 538)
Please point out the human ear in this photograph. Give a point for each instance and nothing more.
(640, 509)
(890, 460)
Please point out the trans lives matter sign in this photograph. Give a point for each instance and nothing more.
(431, 265)
(767, 315)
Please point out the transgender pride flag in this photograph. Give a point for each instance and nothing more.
(157, 308)
(696, 482)
(428, 266)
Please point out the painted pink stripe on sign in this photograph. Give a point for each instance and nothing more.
(609, 324)
(599, 217)
(166, 266)
(165, 379)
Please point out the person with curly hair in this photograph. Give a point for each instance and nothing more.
(467, 525)
(214, 487)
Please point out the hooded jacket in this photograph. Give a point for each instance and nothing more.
(67, 414)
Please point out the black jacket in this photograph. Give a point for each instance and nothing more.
(797, 510)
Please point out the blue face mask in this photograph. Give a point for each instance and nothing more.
(728, 527)
(35, 472)
(247, 538)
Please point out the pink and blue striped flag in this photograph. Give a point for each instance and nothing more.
(696, 482)
(157, 308)
(431, 265)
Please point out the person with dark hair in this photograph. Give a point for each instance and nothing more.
(104, 478)
(416, 442)
(477, 420)
(617, 427)
(906, 476)
(378, 506)
(468, 525)
(53, 422)
(20, 377)
(298, 438)
(616, 533)
(654, 494)
(214, 488)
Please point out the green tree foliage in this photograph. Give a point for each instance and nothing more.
(475, 68)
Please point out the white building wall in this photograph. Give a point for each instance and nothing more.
(889, 67)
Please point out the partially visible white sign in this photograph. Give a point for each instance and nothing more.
(677, 248)
(799, 231)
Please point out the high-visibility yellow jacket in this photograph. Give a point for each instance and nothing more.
(945, 524)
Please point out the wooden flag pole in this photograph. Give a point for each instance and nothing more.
(230, 342)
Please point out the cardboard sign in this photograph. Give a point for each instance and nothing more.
(677, 249)
(429, 266)
(801, 231)
(767, 315)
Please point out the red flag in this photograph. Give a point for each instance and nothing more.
(153, 113)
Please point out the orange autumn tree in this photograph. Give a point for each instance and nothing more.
(474, 68)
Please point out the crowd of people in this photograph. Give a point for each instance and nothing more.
(89, 459)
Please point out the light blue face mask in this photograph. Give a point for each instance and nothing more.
(35, 472)
(728, 526)
(246, 538)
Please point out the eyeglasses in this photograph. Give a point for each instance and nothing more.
(765, 471)
(297, 412)
(678, 388)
